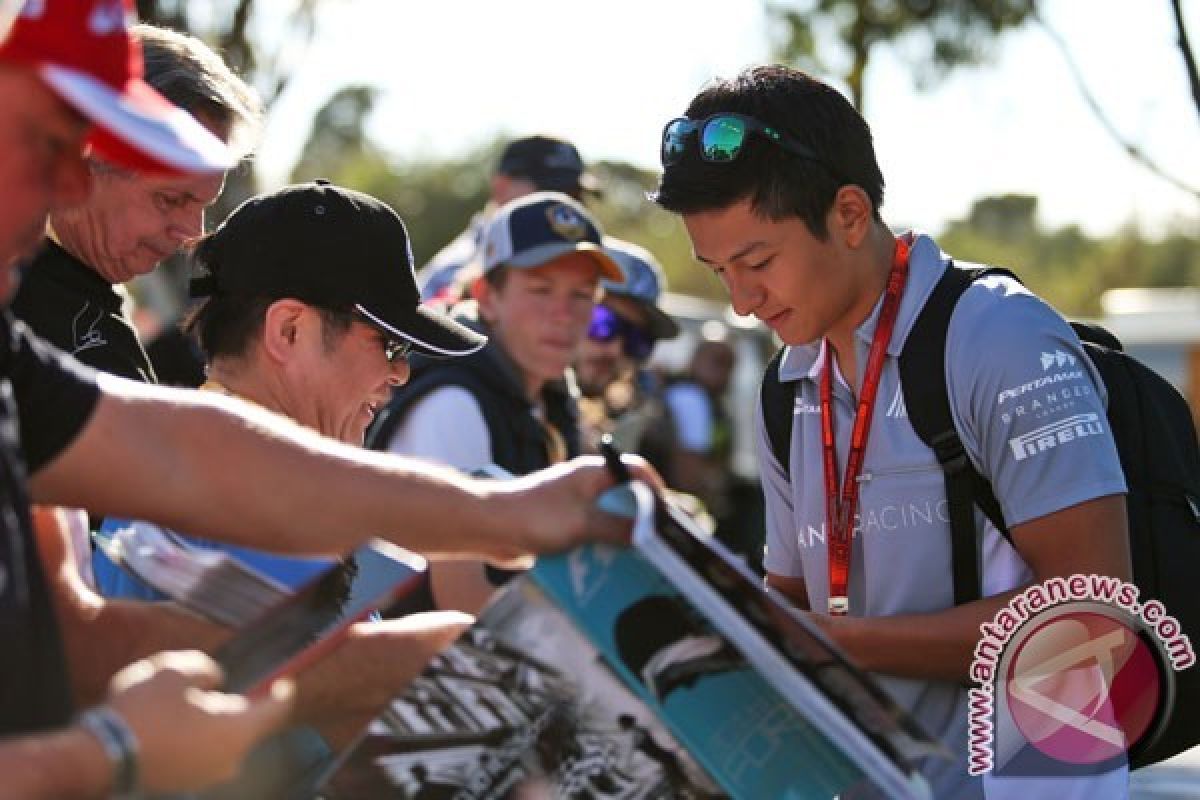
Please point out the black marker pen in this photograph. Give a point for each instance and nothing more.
(612, 460)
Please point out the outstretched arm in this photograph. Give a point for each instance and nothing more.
(219, 468)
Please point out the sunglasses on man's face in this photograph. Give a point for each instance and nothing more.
(393, 349)
(396, 349)
(721, 137)
(607, 325)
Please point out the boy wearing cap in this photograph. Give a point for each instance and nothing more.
(530, 164)
(511, 404)
(776, 178)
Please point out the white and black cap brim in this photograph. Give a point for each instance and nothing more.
(430, 332)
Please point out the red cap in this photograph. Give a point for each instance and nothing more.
(83, 50)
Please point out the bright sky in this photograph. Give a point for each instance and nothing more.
(608, 74)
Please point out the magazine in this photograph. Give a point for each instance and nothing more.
(658, 671)
(212, 583)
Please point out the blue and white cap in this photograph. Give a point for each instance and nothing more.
(644, 283)
(538, 228)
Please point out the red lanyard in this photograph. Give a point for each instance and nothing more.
(839, 512)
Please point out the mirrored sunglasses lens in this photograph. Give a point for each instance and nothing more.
(673, 140)
(394, 350)
(605, 325)
(722, 138)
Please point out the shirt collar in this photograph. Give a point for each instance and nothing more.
(925, 267)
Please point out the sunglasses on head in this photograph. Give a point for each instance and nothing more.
(607, 325)
(721, 137)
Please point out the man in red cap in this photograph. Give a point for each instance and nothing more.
(63, 66)
(211, 465)
(72, 74)
(133, 220)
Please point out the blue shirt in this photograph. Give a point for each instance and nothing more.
(112, 581)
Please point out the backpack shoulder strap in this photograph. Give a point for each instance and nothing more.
(923, 379)
(778, 401)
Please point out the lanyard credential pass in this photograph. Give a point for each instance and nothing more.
(841, 506)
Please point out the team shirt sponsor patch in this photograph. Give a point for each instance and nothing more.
(1058, 359)
(1050, 436)
(1016, 392)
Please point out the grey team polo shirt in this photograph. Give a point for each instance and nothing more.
(1030, 409)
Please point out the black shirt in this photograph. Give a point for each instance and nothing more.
(45, 400)
(70, 305)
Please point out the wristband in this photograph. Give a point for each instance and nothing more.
(119, 744)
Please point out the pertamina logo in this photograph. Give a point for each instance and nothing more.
(1054, 434)
(1057, 359)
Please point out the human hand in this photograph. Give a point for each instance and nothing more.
(555, 509)
(189, 735)
(375, 662)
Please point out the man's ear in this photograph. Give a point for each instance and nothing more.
(284, 328)
(852, 215)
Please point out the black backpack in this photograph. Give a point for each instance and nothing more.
(1155, 436)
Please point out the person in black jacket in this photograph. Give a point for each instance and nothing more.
(513, 404)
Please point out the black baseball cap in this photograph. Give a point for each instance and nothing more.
(333, 248)
(550, 163)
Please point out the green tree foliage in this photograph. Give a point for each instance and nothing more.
(262, 42)
(438, 196)
(435, 196)
(1066, 266)
(235, 29)
(936, 36)
(337, 135)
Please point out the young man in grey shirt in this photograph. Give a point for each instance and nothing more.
(774, 174)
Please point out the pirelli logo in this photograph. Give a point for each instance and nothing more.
(1054, 434)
